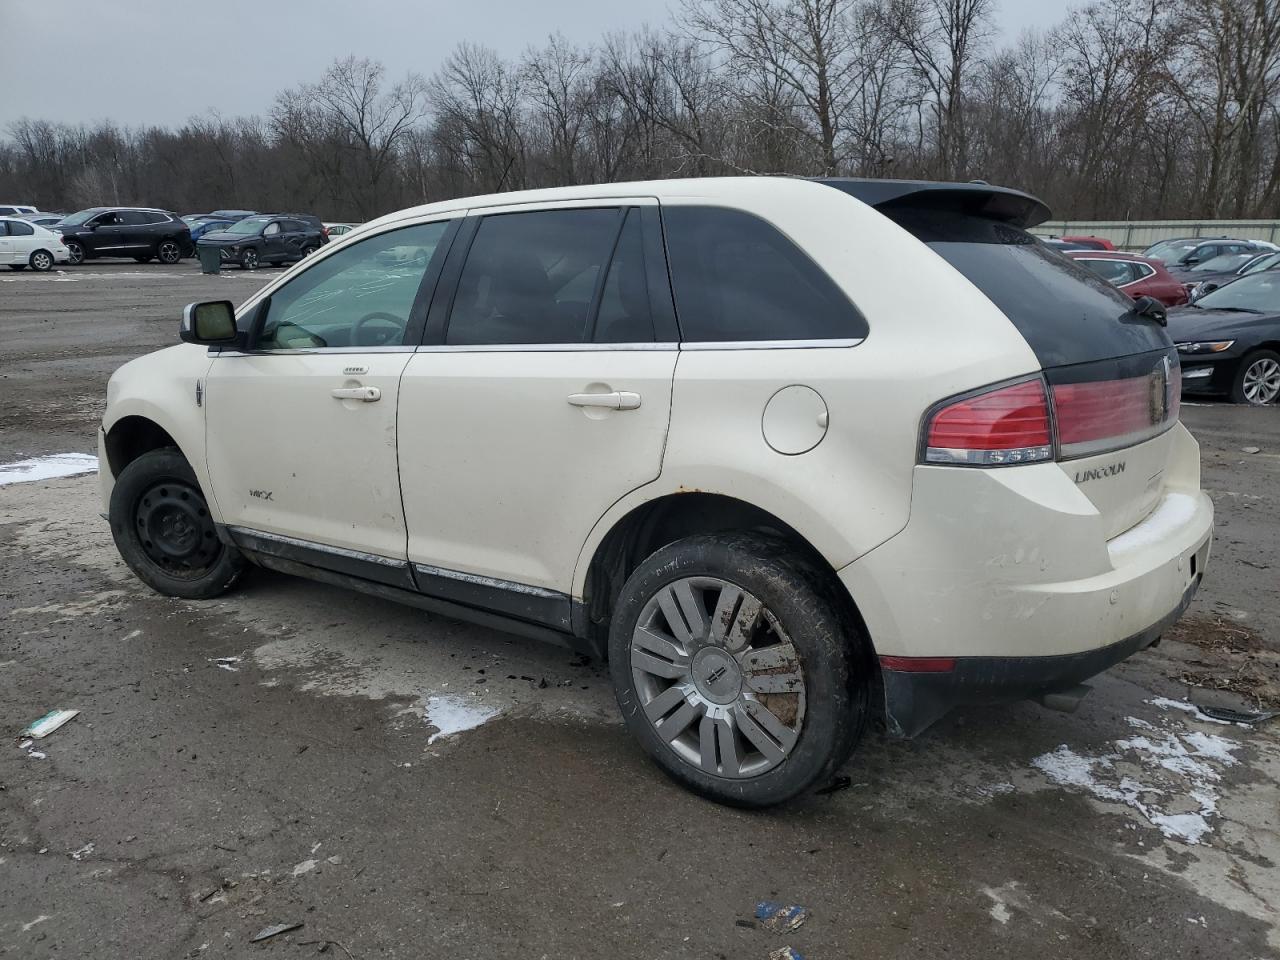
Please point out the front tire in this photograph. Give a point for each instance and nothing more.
(162, 528)
(1258, 379)
(41, 261)
(735, 669)
(168, 252)
(249, 260)
(75, 252)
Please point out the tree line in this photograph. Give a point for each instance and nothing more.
(1126, 109)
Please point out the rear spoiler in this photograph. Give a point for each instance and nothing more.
(973, 199)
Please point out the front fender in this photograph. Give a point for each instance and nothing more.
(162, 387)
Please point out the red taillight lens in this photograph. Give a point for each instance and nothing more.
(1108, 414)
(1006, 425)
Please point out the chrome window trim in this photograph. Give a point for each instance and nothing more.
(321, 547)
(834, 344)
(541, 347)
(428, 570)
(309, 350)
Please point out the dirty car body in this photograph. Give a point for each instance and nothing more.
(771, 445)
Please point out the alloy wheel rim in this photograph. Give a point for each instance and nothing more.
(75, 252)
(1262, 381)
(169, 252)
(718, 678)
(175, 529)
(250, 259)
(41, 261)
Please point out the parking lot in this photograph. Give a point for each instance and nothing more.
(285, 755)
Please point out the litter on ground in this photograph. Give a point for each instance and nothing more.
(779, 917)
(50, 722)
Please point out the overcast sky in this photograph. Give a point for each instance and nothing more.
(162, 61)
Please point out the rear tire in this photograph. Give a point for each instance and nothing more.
(736, 670)
(162, 528)
(1257, 379)
(249, 260)
(41, 261)
(168, 252)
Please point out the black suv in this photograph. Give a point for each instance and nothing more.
(139, 232)
(267, 238)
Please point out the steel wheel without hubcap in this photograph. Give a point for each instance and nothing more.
(718, 678)
(176, 531)
(1262, 381)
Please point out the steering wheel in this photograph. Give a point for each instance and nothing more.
(391, 318)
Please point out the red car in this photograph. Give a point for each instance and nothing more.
(1137, 276)
(1093, 243)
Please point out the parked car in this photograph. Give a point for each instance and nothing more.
(1136, 276)
(1227, 263)
(266, 239)
(1062, 246)
(25, 244)
(1188, 253)
(232, 215)
(1091, 243)
(143, 233)
(201, 227)
(1230, 340)
(1201, 282)
(677, 441)
(16, 210)
(46, 220)
(338, 229)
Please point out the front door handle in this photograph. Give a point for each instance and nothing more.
(618, 400)
(367, 394)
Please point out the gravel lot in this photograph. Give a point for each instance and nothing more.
(193, 803)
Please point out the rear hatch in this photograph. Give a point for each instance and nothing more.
(1111, 376)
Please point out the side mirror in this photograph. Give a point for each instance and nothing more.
(212, 323)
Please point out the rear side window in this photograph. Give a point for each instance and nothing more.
(737, 278)
(532, 277)
(1113, 271)
(19, 229)
(1066, 313)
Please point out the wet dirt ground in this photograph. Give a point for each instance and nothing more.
(275, 757)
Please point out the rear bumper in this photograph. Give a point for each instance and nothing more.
(915, 700)
(1008, 583)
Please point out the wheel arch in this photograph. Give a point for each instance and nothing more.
(133, 435)
(661, 520)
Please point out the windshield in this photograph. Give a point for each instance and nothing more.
(1264, 263)
(78, 218)
(250, 226)
(1259, 293)
(1224, 264)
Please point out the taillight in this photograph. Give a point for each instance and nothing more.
(1022, 423)
(1005, 425)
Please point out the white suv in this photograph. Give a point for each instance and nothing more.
(780, 449)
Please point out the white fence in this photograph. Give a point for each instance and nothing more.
(1140, 234)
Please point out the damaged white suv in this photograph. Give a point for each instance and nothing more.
(787, 452)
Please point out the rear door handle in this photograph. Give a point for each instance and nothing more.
(618, 400)
(367, 394)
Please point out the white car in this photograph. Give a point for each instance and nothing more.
(788, 452)
(24, 244)
(16, 210)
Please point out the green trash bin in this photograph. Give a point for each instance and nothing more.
(210, 258)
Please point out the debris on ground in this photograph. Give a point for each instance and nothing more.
(50, 722)
(1251, 449)
(32, 752)
(306, 866)
(785, 953)
(780, 918)
(83, 852)
(1218, 655)
(266, 933)
(226, 663)
(1228, 715)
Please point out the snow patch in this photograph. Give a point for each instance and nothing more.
(1182, 768)
(451, 715)
(47, 468)
(1164, 703)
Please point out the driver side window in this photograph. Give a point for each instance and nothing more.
(362, 296)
